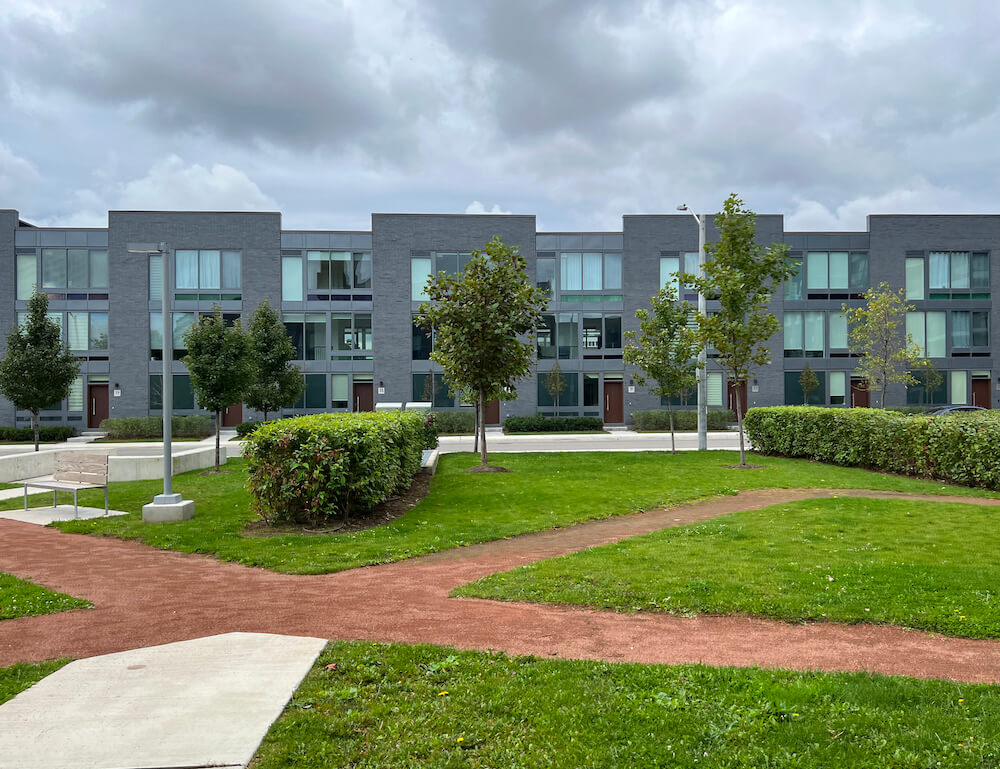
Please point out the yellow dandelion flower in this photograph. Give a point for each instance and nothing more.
(442, 694)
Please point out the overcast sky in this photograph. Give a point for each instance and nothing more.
(573, 110)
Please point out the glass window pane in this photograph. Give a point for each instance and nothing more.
(612, 271)
(78, 265)
(816, 270)
(74, 402)
(77, 332)
(420, 342)
(363, 331)
(838, 331)
(793, 331)
(155, 392)
(183, 394)
(859, 271)
(592, 331)
(814, 332)
(295, 328)
(98, 331)
(340, 332)
(182, 321)
(339, 397)
(315, 337)
(691, 263)
(26, 275)
(545, 274)
(231, 272)
(291, 278)
(793, 284)
(961, 328)
(936, 335)
(613, 332)
(210, 269)
(838, 269)
(443, 397)
(155, 277)
(838, 386)
(362, 269)
(714, 382)
(155, 331)
(571, 272)
(668, 266)
(341, 268)
(446, 263)
(186, 269)
(592, 272)
(315, 394)
(568, 334)
(915, 279)
(959, 388)
(591, 390)
(420, 273)
(98, 269)
(960, 269)
(915, 330)
(546, 337)
(938, 270)
(980, 270)
(53, 268)
(318, 269)
(980, 328)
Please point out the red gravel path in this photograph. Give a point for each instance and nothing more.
(144, 597)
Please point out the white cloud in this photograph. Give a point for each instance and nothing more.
(170, 184)
(18, 177)
(475, 207)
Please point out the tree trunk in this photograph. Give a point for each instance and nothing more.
(34, 426)
(882, 402)
(739, 421)
(475, 443)
(265, 415)
(218, 422)
(482, 428)
(670, 413)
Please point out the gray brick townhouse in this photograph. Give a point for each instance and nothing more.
(348, 299)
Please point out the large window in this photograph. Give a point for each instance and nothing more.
(208, 274)
(350, 335)
(970, 329)
(948, 275)
(828, 275)
(570, 395)
(432, 388)
(795, 396)
(968, 333)
(590, 271)
(180, 323)
(183, 394)
(558, 336)
(671, 267)
(601, 332)
(804, 334)
(927, 330)
(74, 271)
(422, 342)
(81, 330)
(425, 264)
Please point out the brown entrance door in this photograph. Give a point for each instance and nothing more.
(364, 396)
(233, 415)
(860, 397)
(614, 406)
(981, 393)
(741, 392)
(493, 412)
(97, 404)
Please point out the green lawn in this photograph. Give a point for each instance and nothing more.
(421, 706)
(915, 564)
(16, 678)
(546, 490)
(26, 599)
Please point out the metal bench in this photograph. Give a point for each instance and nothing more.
(75, 470)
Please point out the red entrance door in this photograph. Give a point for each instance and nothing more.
(493, 413)
(97, 404)
(614, 406)
(860, 397)
(364, 396)
(981, 393)
(233, 415)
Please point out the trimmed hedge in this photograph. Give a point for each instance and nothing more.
(659, 419)
(540, 424)
(45, 433)
(463, 421)
(960, 448)
(313, 468)
(195, 426)
(243, 429)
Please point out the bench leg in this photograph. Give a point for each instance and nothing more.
(26, 497)
(54, 492)
(105, 500)
(76, 511)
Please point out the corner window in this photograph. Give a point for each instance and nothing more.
(957, 274)
(208, 274)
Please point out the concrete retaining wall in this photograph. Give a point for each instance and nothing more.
(17, 467)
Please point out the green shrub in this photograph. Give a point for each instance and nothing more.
(126, 428)
(463, 421)
(243, 429)
(45, 433)
(911, 409)
(313, 468)
(959, 448)
(541, 424)
(659, 419)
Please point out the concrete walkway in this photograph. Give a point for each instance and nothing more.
(199, 703)
(43, 516)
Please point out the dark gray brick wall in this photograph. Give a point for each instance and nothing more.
(8, 290)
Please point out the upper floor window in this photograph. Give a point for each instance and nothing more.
(61, 270)
(207, 270)
(590, 271)
(81, 330)
(672, 265)
(349, 335)
(828, 275)
(180, 323)
(426, 263)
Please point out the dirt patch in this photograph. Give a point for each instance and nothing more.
(744, 467)
(217, 472)
(488, 469)
(384, 513)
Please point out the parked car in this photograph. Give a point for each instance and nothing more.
(952, 410)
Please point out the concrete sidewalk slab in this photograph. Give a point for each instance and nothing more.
(46, 515)
(206, 702)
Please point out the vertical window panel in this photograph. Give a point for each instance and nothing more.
(210, 269)
(793, 334)
(77, 268)
(592, 272)
(545, 275)
(545, 337)
(421, 342)
(838, 331)
(568, 335)
(420, 273)
(817, 270)
(938, 269)
(980, 328)
(155, 277)
(99, 269)
(53, 268)
(362, 269)
(915, 330)
(960, 269)
(341, 268)
(838, 387)
(232, 273)
(613, 332)
(961, 329)
(74, 401)
(691, 263)
(669, 265)
(793, 283)
(592, 331)
(315, 336)
(591, 390)
(936, 336)
(155, 331)
(714, 385)
(27, 275)
(77, 331)
(98, 331)
(915, 279)
(186, 269)
(858, 280)
(980, 270)
(318, 270)
(814, 334)
(363, 331)
(838, 270)
(339, 392)
(612, 271)
(340, 332)
(571, 272)
(959, 388)
(291, 279)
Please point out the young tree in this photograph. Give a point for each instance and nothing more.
(477, 318)
(742, 275)
(431, 388)
(276, 382)
(808, 381)
(877, 334)
(219, 362)
(666, 351)
(38, 369)
(555, 384)
(932, 379)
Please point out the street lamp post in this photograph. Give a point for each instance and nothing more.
(702, 353)
(167, 506)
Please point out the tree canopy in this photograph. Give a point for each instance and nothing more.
(276, 383)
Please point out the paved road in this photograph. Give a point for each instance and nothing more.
(624, 440)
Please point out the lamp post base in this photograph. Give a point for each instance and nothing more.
(163, 512)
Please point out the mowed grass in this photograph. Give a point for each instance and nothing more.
(367, 705)
(916, 564)
(19, 598)
(16, 678)
(546, 490)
